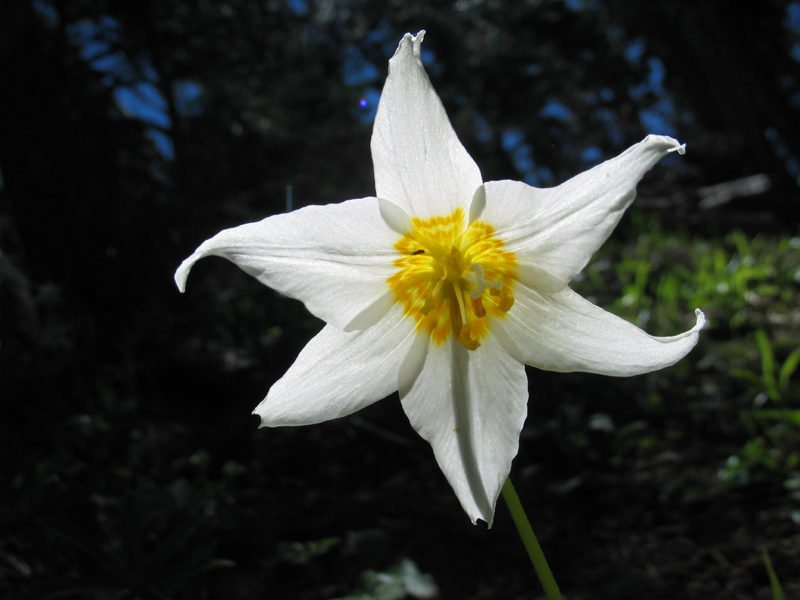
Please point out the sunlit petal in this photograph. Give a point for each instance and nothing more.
(558, 229)
(420, 164)
(565, 332)
(470, 406)
(338, 373)
(335, 258)
(395, 217)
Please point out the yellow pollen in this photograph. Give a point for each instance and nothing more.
(452, 278)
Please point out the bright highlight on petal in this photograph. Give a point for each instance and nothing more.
(453, 278)
(470, 406)
(420, 164)
(556, 230)
(444, 287)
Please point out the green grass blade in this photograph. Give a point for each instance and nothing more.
(747, 375)
(787, 370)
(787, 415)
(777, 590)
(767, 364)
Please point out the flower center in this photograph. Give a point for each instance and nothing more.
(453, 277)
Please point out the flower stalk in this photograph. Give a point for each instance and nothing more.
(531, 543)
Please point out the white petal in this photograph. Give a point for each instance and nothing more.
(470, 406)
(372, 313)
(556, 230)
(412, 364)
(335, 258)
(565, 332)
(478, 204)
(506, 341)
(420, 164)
(396, 218)
(338, 373)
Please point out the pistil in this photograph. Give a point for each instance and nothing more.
(460, 298)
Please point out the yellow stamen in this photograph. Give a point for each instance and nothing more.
(460, 298)
(446, 250)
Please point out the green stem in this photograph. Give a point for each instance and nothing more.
(530, 541)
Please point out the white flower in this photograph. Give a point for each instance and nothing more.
(444, 287)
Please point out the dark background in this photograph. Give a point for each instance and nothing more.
(130, 466)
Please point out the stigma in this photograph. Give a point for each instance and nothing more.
(453, 278)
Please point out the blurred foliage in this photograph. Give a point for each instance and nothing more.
(741, 282)
(130, 131)
(403, 580)
(746, 286)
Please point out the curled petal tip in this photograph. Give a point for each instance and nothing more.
(417, 38)
(670, 143)
(680, 149)
(261, 423)
(414, 40)
(701, 320)
(182, 273)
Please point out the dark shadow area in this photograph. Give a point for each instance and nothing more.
(130, 463)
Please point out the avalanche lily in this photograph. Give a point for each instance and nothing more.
(444, 287)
